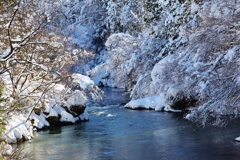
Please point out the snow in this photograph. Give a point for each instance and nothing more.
(81, 35)
(198, 57)
(157, 103)
(101, 73)
(231, 54)
(187, 52)
(17, 128)
(215, 11)
(5, 53)
(237, 139)
(76, 98)
(110, 115)
(52, 112)
(59, 87)
(83, 81)
(66, 117)
(39, 120)
(194, 8)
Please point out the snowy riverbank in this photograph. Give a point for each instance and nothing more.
(63, 106)
(157, 103)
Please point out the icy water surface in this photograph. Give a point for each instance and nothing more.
(116, 133)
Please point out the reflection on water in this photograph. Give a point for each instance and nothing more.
(114, 132)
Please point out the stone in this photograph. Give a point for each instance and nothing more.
(53, 120)
(76, 110)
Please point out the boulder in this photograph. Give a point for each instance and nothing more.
(53, 120)
(75, 110)
(78, 109)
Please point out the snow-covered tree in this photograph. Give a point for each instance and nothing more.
(203, 71)
(124, 16)
(31, 59)
(80, 21)
(35, 61)
(187, 51)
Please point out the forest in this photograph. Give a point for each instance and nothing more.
(171, 55)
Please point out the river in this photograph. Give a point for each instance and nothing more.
(116, 133)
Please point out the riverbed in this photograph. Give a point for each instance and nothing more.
(116, 133)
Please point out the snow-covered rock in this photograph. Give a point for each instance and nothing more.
(61, 105)
(17, 129)
(157, 103)
(83, 81)
(39, 121)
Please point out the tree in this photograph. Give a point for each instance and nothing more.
(31, 59)
(202, 76)
(34, 59)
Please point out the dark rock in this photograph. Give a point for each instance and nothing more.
(78, 109)
(75, 110)
(53, 120)
(184, 103)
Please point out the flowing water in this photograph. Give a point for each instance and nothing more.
(116, 133)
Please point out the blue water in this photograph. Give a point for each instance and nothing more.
(116, 133)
